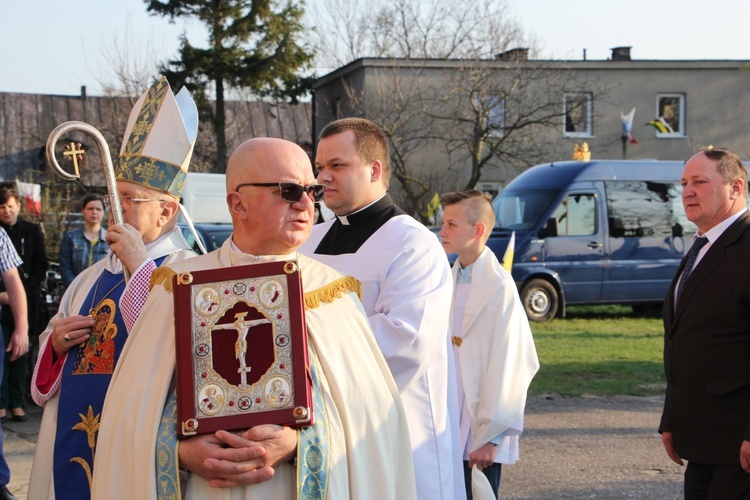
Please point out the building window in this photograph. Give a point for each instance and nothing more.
(493, 108)
(578, 110)
(670, 113)
(496, 115)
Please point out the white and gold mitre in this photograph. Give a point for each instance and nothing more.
(159, 140)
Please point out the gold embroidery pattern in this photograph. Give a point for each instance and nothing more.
(132, 165)
(162, 276)
(457, 341)
(167, 456)
(332, 291)
(90, 425)
(313, 453)
(146, 117)
(156, 174)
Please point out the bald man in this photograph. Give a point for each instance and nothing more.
(358, 447)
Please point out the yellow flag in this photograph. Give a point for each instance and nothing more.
(432, 207)
(508, 255)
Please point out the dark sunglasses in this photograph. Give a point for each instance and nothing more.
(291, 192)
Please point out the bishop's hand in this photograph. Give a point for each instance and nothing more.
(69, 332)
(127, 244)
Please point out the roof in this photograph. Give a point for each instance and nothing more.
(559, 174)
(598, 65)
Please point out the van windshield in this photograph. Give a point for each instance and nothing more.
(521, 209)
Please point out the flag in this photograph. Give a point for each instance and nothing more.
(627, 125)
(32, 193)
(507, 262)
(432, 208)
(661, 125)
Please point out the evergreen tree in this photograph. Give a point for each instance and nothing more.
(253, 44)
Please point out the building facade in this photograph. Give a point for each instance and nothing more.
(445, 118)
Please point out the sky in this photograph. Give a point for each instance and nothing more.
(55, 47)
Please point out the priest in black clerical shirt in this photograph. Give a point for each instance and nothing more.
(406, 290)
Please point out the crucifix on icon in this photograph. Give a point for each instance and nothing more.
(241, 326)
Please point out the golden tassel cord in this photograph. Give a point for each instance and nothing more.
(333, 291)
(325, 294)
(162, 276)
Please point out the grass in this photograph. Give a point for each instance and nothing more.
(599, 350)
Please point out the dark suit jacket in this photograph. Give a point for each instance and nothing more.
(707, 353)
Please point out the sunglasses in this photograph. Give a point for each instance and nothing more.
(291, 192)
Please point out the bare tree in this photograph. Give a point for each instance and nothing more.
(454, 83)
(434, 29)
(499, 115)
(127, 67)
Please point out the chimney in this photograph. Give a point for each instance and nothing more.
(83, 92)
(513, 55)
(621, 53)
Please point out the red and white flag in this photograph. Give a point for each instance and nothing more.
(32, 193)
(627, 125)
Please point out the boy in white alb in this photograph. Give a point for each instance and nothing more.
(493, 348)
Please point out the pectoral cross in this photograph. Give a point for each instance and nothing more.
(75, 153)
(240, 347)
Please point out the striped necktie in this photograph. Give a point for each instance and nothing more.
(690, 263)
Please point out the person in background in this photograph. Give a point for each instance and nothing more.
(318, 215)
(18, 343)
(82, 247)
(492, 343)
(28, 241)
(707, 333)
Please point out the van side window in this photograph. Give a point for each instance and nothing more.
(646, 209)
(576, 215)
(522, 209)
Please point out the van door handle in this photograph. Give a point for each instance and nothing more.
(595, 244)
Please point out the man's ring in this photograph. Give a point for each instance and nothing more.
(67, 338)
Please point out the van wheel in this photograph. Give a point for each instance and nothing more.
(540, 300)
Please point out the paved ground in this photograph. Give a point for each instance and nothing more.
(19, 443)
(603, 448)
(573, 448)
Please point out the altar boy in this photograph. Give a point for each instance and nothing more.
(492, 344)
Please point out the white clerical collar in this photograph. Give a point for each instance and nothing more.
(240, 258)
(343, 218)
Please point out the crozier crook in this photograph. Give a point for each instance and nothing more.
(109, 170)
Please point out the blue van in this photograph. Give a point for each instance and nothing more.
(598, 232)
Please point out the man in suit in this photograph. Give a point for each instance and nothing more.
(706, 418)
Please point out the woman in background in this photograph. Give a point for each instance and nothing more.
(82, 247)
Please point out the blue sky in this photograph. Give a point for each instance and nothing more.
(54, 47)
